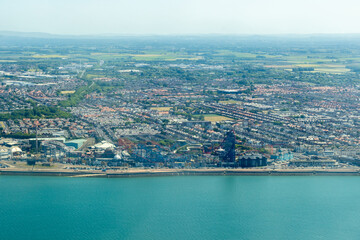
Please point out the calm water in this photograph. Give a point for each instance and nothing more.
(216, 207)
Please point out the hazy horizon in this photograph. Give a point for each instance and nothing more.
(160, 17)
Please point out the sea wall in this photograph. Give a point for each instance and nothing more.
(204, 172)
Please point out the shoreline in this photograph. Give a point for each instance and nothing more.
(183, 172)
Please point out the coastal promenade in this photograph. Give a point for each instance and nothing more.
(180, 172)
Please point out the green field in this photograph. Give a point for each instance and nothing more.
(160, 109)
(230, 102)
(7, 61)
(49, 56)
(215, 118)
(67, 92)
(166, 56)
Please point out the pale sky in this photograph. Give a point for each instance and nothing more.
(180, 16)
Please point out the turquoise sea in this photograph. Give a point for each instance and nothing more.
(190, 207)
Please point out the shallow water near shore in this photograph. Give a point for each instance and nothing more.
(190, 207)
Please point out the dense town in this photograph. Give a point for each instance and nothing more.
(181, 109)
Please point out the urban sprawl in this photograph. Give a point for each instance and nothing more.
(179, 103)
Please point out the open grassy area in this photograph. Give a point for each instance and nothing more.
(92, 76)
(7, 61)
(302, 59)
(146, 56)
(326, 67)
(160, 109)
(67, 92)
(49, 56)
(230, 102)
(215, 118)
(337, 70)
(244, 54)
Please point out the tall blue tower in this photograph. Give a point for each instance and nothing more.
(229, 146)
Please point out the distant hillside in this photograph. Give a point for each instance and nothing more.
(13, 34)
(262, 37)
(28, 34)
